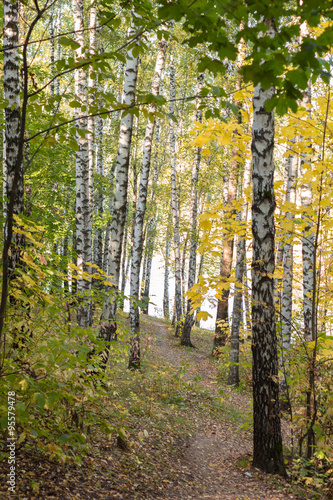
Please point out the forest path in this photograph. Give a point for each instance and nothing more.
(182, 442)
(211, 458)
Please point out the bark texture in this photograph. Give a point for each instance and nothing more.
(188, 323)
(267, 441)
(233, 378)
(12, 126)
(134, 358)
(308, 239)
(83, 205)
(287, 282)
(174, 202)
(108, 318)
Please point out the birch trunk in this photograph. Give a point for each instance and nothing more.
(188, 323)
(237, 313)
(52, 41)
(308, 239)
(91, 102)
(183, 270)
(152, 223)
(57, 82)
(166, 295)
(174, 202)
(287, 281)
(134, 357)
(12, 164)
(99, 194)
(108, 318)
(124, 270)
(83, 207)
(267, 441)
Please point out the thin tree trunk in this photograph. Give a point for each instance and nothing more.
(287, 281)
(237, 313)
(108, 325)
(99, 194)
(201, 265)
(152, 223)
(267, 440)
(183, 269)
(222, 314)
(308, 238)
(166, 296)
(188, 323)
(91, 102)
(124, 270)
(12, 128)
(174, 202)
(58, 25)
(134, 357)
(83, 206)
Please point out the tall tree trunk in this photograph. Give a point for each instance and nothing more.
(83, 206)
(183, 269)
(91, 103)
(108, 225)
(134, 357)
(201, 265)
(166, 296)
(52, 41)
(99, 202)
(174, 201)
(308, 238)
(287, 281)
(12, 128)
(58, 26)
(237, 313)
(124, 269)
(222, 315)
(188, 323)
(267, 440)
(108, 325)
(151, 232)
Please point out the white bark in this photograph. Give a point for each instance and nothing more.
(166, 296)
(188, 323)
(153, 221)
(134, 360)
(287, 303)
(308, 239)
(12, 119)
(174, 200)
(108, 328)
(83, 206)
(91, 101)
(267, 440)
(237, 313)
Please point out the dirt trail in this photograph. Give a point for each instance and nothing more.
(210, 458)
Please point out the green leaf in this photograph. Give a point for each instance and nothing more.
(68, 42)
(64, 438)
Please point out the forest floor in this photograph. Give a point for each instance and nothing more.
(185, 435)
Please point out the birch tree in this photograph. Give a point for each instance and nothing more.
(308, 238)
(188, 323)
(174, 200)
(108, 325)
(151, 231)
(267, 440)
(83, 205)
(12, 171)
(287, 281)
(134, 358)
(233, 378)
